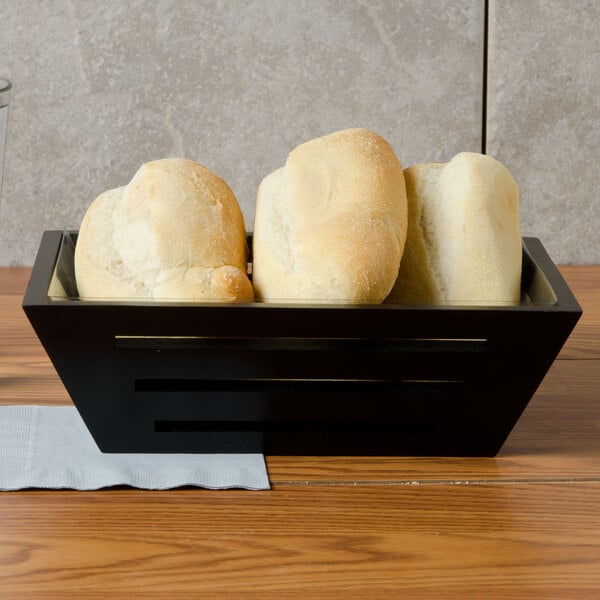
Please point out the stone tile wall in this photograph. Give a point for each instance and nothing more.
(544, 118)
(101, 87)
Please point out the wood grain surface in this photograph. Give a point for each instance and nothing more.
(523, 524)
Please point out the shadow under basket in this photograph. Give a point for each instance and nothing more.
(311, 379)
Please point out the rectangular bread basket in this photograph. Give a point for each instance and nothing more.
(312, 379)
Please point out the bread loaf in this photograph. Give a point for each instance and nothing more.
(464, 242)
(175, 232)
(331, 224)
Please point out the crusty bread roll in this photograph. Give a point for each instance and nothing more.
(464, 241)
(175, 232)
(331, 224)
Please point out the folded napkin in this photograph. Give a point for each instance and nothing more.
(50, 447)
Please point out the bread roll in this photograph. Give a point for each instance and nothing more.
(331, 224)
(175, 232)
(464, 241)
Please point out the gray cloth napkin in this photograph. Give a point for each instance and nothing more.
(50, 447)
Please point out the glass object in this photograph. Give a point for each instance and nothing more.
(5, 87)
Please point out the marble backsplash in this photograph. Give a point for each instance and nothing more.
(101, 87)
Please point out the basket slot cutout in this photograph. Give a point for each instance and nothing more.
(277, 344)
(433, 386)
(301, 426)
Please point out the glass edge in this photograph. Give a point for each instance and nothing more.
(5, 89)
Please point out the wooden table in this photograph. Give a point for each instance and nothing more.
(523, 524)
